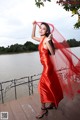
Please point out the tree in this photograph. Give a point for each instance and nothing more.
(73, 43)
(68, 5)
(31, 46)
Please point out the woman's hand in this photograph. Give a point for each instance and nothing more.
(34, 22)
(50, 37)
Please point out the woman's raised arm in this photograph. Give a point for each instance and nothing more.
(33, 32)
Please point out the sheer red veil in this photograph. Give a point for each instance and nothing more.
(65, 63)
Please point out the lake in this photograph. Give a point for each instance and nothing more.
(14, 66)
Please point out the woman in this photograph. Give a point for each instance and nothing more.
(49, 85)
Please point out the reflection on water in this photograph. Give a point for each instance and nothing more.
(24, 64)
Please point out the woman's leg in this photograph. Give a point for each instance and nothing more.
(43, 105)
(51, 106)
(43, 111)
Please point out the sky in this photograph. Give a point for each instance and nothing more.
(16, 17)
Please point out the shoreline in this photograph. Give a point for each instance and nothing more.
(17, 53)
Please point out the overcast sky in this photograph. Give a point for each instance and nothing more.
(16, 17)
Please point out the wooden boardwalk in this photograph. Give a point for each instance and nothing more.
(26, 108)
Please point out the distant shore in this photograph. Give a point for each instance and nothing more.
(30, 47)
(18, 48)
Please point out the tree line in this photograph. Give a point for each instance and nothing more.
(30, 47)
(18, 48)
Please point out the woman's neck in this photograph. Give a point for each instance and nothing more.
(42, 36)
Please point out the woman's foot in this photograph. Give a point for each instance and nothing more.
(44, 111)
(51, 106)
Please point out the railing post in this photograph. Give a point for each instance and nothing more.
(15, 89)
(30, 85)
(2, 93)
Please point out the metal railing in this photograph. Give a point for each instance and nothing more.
(7, 85)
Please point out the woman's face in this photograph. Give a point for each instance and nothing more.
(42, 30)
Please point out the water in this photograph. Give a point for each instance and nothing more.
(19, 65)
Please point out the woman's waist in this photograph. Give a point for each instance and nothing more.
(46, 62)
(44, 53)
(44, 56)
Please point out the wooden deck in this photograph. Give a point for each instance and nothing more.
(26, 108)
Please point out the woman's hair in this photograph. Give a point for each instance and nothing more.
(48, 28)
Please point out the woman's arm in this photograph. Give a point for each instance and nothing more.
(33, 32)
(50, 47)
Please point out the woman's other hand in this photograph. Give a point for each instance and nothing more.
(50, 37)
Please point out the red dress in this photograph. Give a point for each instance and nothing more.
(49, 85)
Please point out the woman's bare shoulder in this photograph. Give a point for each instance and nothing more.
(46, 40)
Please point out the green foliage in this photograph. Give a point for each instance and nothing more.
(74, 7)
(68, 5)
(30, 46)
(77, 25)
(73, 43)
(40, 3)
(2, 50)
(17, 48)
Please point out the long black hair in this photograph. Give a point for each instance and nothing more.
(47, 34)
(48, 28)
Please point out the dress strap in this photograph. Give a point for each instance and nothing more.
(42, 39)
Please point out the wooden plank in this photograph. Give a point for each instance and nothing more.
(6, 108)
(34, 103)
(56, 115)
(26, 108)
(71, 109)
(26, 104)
(17, 110)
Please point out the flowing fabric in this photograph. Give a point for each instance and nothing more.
(61, 72)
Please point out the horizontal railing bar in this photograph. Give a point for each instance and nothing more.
(6, 81)
(24, 83)
(19, 84)
(35, 80)
(12, 80)
(17, 79)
